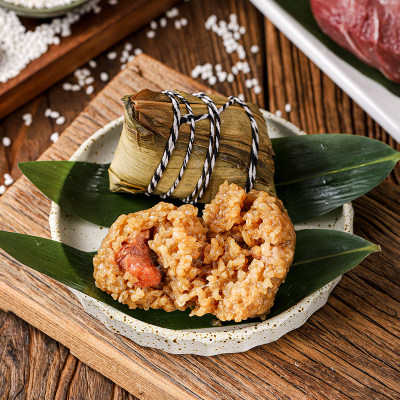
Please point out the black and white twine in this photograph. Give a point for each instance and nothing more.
(213, 143)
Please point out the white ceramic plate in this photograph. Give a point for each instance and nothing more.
(376, 100)
(210, 341)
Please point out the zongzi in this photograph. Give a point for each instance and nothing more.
(230, 263)
(147, 131)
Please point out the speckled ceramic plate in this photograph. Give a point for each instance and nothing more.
(41, 12)
(208, 341)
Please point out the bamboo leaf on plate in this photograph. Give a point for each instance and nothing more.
(82, 189)
(314, 175)
(74, 268)
(318, 173)
(321, 256)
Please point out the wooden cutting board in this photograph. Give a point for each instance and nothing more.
(91, 35)
(350, 343)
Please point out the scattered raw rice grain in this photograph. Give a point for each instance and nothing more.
(89, 90)
(254, 49)
(196, 71)
(241, 52)
(104, 76)
(54, 137)
(66, 86)
(8, 180)
(60, 120)
(54, 114)
(222, 76)
(89, 80)
(20, 45)
(112, 55)
(172, 13)
(212, 80)
(150, 34)
(6, 141)
(27, 117)
(177, 24)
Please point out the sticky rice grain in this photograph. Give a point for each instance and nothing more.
(230, 263)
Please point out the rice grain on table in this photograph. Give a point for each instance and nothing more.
(20, 46)
(54, 137)
(60, 120)
(6, 141)
(89, 90)
(104, 76)
(150, 34)
(8, 180)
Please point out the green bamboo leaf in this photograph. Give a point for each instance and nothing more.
(321, 256)
(82, 189)
(74, 268)
(301, 11)
(314, 175)
(318, 173)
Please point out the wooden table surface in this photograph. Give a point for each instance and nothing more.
(35, 366)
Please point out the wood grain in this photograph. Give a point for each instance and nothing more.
(90, 37)
(318, 105)
(348, 350)
(148, 373)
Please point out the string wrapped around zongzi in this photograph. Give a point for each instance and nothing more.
(150, 119)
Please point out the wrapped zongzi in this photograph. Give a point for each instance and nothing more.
(146, 132)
